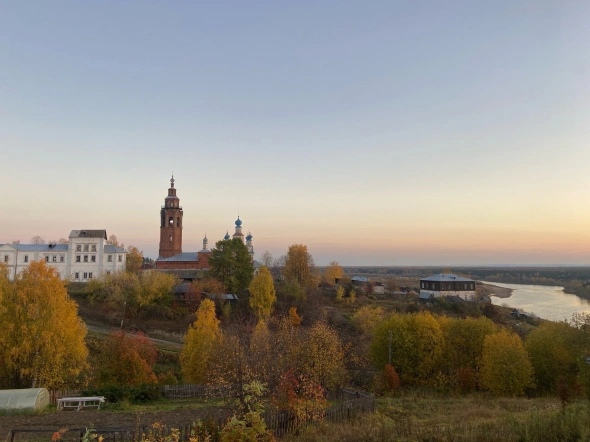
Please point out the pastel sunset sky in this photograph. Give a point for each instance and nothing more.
(376, 132)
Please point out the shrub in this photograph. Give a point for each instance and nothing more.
(391, 378)
(114, 393)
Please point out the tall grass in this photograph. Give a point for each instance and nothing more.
(474, 419)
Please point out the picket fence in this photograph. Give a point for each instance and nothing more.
(351, 403)
(188, 391)
(54, 395)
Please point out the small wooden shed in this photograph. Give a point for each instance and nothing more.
(23, 401)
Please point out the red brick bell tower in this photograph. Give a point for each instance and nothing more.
(171, 224)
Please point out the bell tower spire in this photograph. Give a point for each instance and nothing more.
(170, 224)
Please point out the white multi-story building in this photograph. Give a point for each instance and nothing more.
(447, 284)
(86, 256)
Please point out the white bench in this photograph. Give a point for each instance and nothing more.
(80, 403)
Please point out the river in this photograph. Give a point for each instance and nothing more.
(547, 302)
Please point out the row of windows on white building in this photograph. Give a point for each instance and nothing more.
(62, 258)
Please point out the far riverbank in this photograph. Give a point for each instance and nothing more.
(494, 290)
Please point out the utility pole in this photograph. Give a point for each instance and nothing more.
(123, 318)
(390, 336)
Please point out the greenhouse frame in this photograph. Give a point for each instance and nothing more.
(23, 401)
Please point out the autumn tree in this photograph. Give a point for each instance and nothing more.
(292, 290)
(367, 318)
(201, 287)
(132, 292)
(299, 265)
(320, 357)
(126, 360)
(505, 368)
(5, 288)
(114, 289)
(201, 339)
(155, 288)
(134, 259)
(391, 378)
(463, 341)
(262, 353)
(302, 396)
(42, 341)
(247, 424)
(231, 264)
(294, 317)
(333, 272)
(63, 241)
(415, 343)
(340, 293)
(262, 294)
(555, 350)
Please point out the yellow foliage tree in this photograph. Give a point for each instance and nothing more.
(415, 342)
(299, 265)
(339, 293)
(262, 294)
(367, 318)
(463, 341)
(155, 288)
(505, 367)
(555, 349)
(42, 341)
(201, 339)
(333, 272)
(5, 286)
(320, 357)
(262, 354)
(134, 259)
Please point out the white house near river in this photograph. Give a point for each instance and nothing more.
(447, 284)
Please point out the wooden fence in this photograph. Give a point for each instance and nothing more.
(351, 403)
(193, 391)
(186, 391)
(54, 395)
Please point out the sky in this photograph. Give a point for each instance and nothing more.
(375, 132)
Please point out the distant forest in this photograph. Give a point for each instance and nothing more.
(575, 280)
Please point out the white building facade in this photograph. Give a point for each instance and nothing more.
(447, 284)
(86, 256)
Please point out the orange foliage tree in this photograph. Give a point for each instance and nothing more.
(126, 360)
(301, 395)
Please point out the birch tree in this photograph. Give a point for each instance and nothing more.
(202, 338)
(42, 341)
(262, 294)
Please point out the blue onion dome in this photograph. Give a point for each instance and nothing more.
(238, 222)
(226, 237)
(249, 237)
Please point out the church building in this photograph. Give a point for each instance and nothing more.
(171, 257)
